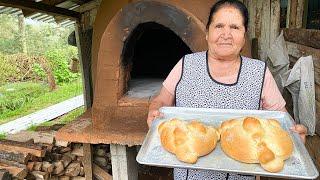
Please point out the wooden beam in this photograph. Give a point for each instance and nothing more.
(100, 174)
(41, 7)
(297, 50)
(307, 37)
(87, 161)
(275, 20)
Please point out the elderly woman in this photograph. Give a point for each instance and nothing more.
(221, 78)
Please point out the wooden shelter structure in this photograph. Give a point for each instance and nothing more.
(111, 38)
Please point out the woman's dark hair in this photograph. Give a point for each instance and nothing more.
(234, 3)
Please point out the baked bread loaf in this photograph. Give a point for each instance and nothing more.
(187, 140)
(255, 140)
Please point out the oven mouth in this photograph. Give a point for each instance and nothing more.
(149, 54)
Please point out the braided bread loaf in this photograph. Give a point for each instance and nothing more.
(187, 141)
(255, 140)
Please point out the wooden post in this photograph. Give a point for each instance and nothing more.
(84, 43)
(275, 20)
(123, 160)
(87, 161)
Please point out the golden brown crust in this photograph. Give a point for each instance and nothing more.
(188, 141)
(261, 141)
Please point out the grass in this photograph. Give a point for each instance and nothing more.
(2, 136)
(40, 97)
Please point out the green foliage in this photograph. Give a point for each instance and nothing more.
(38, 70)
(15, 96)
(59, 61)
(9, 36)
(3, 136)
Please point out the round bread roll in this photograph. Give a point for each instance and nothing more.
(255, 140)
(187, 140)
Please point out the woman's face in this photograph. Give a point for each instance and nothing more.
(226, 34)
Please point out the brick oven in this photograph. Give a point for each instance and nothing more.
(138, 48)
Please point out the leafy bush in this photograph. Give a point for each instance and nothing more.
(17, 95)
(59, 61)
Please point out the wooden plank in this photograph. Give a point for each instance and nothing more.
(84, 44)
(318, 117)
(41, 7)
(307, 37)
(124, 165)
(293, 13)
(87, 161)
(5, 175)
(299, 16)
(297, 50)
(252, 17)
(20, 173)
(265, 29)
(274, 21)
(88, 6)
(18, 147)
(100, 174)
(18, 157)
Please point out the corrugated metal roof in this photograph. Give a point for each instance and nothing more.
(68, 4)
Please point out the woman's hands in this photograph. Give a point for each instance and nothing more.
(301, 130)
(165, 98)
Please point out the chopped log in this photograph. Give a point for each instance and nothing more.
(5, 175)
(37, 166)
(17, 172)
(307, 37)
(13, 163)
(22, 136)
(47, 167)
(81, 171)
(18, 157)
(56, 156)
(44, 137)
(62, 143)
(65, 150)
(58, 167)
(100, 152)
(77, 150)
(101, 161)
(19, 147)
(30, 166)
(73, 169)
(72, 156)
(66, 160)
(40, 175)
(99, 173)
(64, 178)
(78, 178)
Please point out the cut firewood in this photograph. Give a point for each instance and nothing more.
(78, 178)
(13, 163)
(100, 152)
(77, 150)
(18, 157)
(65, 150)
(64, 177)
(101, 161)
(73, 169)
(99, 173)
(44, 137)
(17, 172)
(58, 167)
(81, 171)
(19, 147)
(30, 166)
(47, 167)
(5, 175)
(40, 175)
(66, 160)
(62, 143)
(22, 136)
(37, 166)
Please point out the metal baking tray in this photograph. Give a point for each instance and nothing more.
(299, 165)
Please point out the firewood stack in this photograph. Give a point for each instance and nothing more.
(36, 155)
